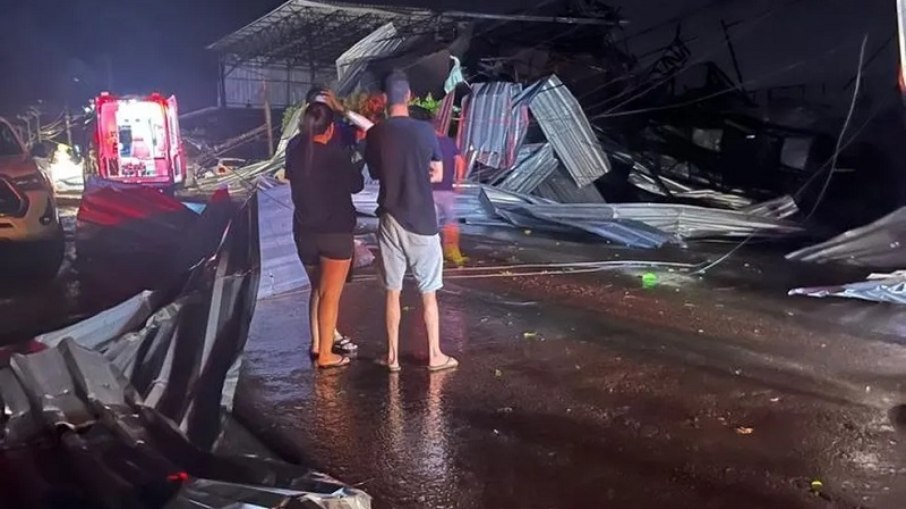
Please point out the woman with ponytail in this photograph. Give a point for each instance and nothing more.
(323, 179)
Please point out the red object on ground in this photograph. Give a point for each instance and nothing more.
(29, 347)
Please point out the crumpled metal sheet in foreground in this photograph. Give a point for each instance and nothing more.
(879, 244)
(892, 290)
(203, 493)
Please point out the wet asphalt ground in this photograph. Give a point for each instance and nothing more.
(588, 390)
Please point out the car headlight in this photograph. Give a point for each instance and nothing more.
(33, 182)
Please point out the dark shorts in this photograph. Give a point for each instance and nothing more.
(314, 246)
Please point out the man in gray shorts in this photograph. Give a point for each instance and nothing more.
(404, 155)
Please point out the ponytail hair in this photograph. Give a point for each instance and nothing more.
(316, 120)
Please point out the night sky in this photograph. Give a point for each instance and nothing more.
(149, 44)
(61, 50)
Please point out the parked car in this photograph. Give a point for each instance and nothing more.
(31, 236)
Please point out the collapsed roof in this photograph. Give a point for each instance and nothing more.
(305, 32)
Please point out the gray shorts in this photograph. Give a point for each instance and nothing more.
(402, 250)
(445, 204)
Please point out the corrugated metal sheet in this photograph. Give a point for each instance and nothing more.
(890, 289)
(281, 271)
(534, 165)
(445, 115)
(879, 244)
(286, 86)
(492, 127)
(682, 191)
(567, 128)
(683, 221)
(561, 188)
(517, 212)
(382, 43)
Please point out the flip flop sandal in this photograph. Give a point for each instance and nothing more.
(450, 364)
(342, 364)
(388, 367)
(345, 346)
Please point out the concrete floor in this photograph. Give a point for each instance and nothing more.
(586, 390)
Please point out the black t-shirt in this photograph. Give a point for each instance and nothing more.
(399, 152)
(322, 186)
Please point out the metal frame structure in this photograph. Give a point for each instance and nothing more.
(314, 34)
(304, 38)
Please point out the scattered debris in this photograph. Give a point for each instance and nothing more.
(891, 290)
(744, 430)
(877, 245)
(136, 398)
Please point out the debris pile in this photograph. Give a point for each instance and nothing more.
(876, 245)
(124, 408)
(534, 143)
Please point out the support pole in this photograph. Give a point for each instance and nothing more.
(68, 119)
(38, 136)
(730, 47)
(901, 31)
(268, 121)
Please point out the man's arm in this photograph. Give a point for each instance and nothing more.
(437, 161)
(437, 172)
(356, 119)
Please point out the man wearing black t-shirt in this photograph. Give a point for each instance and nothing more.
(404, 155)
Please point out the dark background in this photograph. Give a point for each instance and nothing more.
(66, 51)
(63, 51)
(131, 46)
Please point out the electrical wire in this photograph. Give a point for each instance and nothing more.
(837, 150)
(749, 29)
(849, 117)
(726, 90)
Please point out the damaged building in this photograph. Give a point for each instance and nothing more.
(584, 136)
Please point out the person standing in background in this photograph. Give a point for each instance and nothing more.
(404, 156)
(444, 194)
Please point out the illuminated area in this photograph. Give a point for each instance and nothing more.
(65, 172)
(141, 137)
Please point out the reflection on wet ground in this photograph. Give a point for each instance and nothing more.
(29, 307)
(590, 391)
